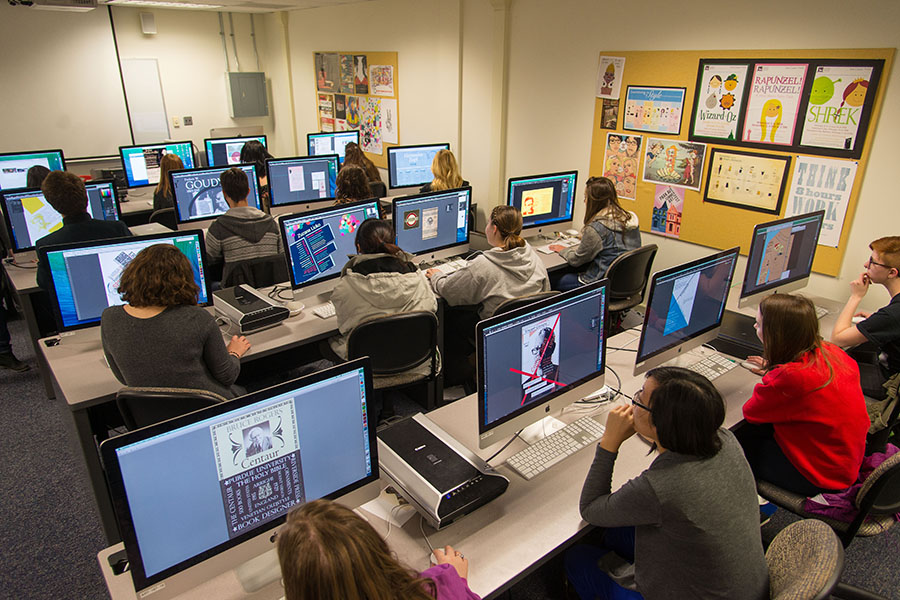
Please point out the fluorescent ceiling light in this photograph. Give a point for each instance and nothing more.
(161, 4)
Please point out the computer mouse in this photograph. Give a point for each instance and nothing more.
(572, 232)
(749, 365)
(858, 319)
(295, 306)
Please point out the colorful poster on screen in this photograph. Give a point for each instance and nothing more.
(719, 100)
(772, 105)
(609, 77)
(668, 206)
(748, 180)
(540, 357)
(822, 184)
(621, 162)
(654, 109)
(381, 80)
(674, 162)
(360, 74)
(348, 74)
(370, 125)
(326, 112)
(328, 72)
(835, 107)
(389, 120)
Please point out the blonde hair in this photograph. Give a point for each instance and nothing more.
(775, 104)
(169, 162)
(508, 221)
(446, 172)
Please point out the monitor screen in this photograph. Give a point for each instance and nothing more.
(14, 166)
(781, 253)
(428, 222)
(85, 275)
(198, 192)
(319, 242)
(543, 199)
(536, 354)
(411, 165)
(141, 163)
(227, 151)
(189, 489)
(331, 143)
(302, 179)
(29, 216)
(685, 307)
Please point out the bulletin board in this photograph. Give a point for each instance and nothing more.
(359, 91)
(685, 163)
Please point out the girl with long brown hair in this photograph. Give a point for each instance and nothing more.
(163, 196)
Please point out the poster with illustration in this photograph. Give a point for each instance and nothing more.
(609, 118)
(389, 120)
(360, 73)
(720, 94)
(381, 80)
(370, 125)
(835, 107)
(822, 184)
(668, 205)
(340, 112)
(773, 102)
(328, 72)
(353, 108)
(326, 112)
(609, 77)
(348, 72)
(540, 357)
(748, 180)
(621, 162)
(674, 162)
(654, 109)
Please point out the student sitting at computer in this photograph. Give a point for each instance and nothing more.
(163, 196)
(161, 338)
(328, 551)
(351, 185)
(446, 173)
(36, 175)
(609, 230)
(253, 152)
(806, 422)
(353, 155)
(243, 232)
(881, 328)
(688, 526)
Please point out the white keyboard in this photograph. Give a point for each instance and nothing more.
(548, 451)
(821, 312)
(712, 366)
(447, 267)
(324, 311)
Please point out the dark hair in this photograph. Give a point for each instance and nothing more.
(36, 175)
(235, 184)
(169, 162)
(160, 275)
(353, 155)
(687, 411)
(508, 221)
(65, 192)
(790, 329)
(254, 152)
(352, 184)
(600, 193)
(376, 235)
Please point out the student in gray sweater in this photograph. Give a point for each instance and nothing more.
(688, 526)
(161, 338)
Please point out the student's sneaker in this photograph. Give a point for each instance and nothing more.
(765, 512)
(9, 361)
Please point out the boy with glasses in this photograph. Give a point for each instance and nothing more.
(881, 328)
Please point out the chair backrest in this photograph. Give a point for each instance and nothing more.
(514, 303)
(629, 273)
(257, 272)
(805, 561)
(396, 343)
(165, 216)
(880, 492)
(377, 189)
(143, 406)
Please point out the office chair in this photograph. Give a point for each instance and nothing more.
(256, 272)
(396, 345)
(514, 303)
(165, 216)
(377, 189)
(628, 276)
(886, 416)
(805, 562)
(143, 406)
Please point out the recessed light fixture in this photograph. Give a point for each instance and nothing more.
(161, 4)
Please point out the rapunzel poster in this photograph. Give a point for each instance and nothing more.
(773, 103)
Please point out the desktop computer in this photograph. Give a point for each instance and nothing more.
(547, 202)
(222, 152)
(331, 142)
(410, 166)
(14, 166)
(301, 180)
(198, 194)
(433, 226)
(141, 163)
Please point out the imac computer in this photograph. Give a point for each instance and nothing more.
(14, 166)
(29, 216)
(221, 152)
(203, 494)
(410, 166)
(319, 242)
(141, 163)
(433, 225)
(199, 198)
(781, 256)
(547, 202)
(331, 142)
(85, 275)
(295, 183)
(685, 308)
(538, 359)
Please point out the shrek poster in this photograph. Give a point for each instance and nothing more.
(835, 107)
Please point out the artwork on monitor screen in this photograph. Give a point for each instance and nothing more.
(427, 222)
(302, 179)
(227, 151)
(331, 143)
(410, 166)
(198, 192)
(543, 199)
(540, 358)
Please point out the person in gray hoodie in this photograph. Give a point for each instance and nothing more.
(609, 230)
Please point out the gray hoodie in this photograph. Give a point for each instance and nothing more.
(242, 233)
(492, 277)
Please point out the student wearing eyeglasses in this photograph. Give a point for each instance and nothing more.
(881, 328)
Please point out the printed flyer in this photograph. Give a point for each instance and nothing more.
(674, 162)
(719, 100)
(389, 134)
(668, 206)
(822, 183)
(609, 77)
(747, 180)
(654, 109)
(381, 80)
(835, 106)
(326, 112)
(621, 162)
(772, 106)
(370, 125)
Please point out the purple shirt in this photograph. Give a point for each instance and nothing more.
(450, 586)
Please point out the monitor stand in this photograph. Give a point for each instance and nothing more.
(538, 431)
(259, 572)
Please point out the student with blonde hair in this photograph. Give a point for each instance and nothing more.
(446, 173)
(163, 195)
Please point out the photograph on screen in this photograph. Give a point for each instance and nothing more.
(543, 199)
(432, 221)
(540, 357)
(198, 192)
(227, 151)
(14, 166)
(781, 252)
(302, 179)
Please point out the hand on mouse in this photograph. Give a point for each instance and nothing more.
(431, 273)
(238, 345)
(759, 362)
(556, 247)
(454, 558)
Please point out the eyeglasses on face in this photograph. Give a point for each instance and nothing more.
(871, 262)
(636, 400)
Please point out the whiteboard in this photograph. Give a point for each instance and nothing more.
(145, 100)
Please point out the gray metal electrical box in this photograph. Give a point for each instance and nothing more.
(247, 94)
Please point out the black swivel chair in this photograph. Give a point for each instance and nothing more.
(514, 303)
(628, 276)
(377, 189)
(256, 272)
(143, 406)
(165, 216)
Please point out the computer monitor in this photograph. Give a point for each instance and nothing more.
(538, 359)
(202, 494)
(433, 225)
(410, 166)
(198, 194)
(331, 142)
(684, 308)
(301, 180)
(319, 242)
(222, 152)
(85, 275)
(547, 202)
(781, 256)
(141, 163)
(29, 217)
(14, 166)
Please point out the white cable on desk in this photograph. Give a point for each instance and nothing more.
(422, 529)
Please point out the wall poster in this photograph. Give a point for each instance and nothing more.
(621, 162)
(609, 77)
(326, 112)
(674, 162)
(835, 105)
(748, 180)
(822, 183)
(654, 109)
(610, 115)
(773, 103)
(668, 206)
(719, 100)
